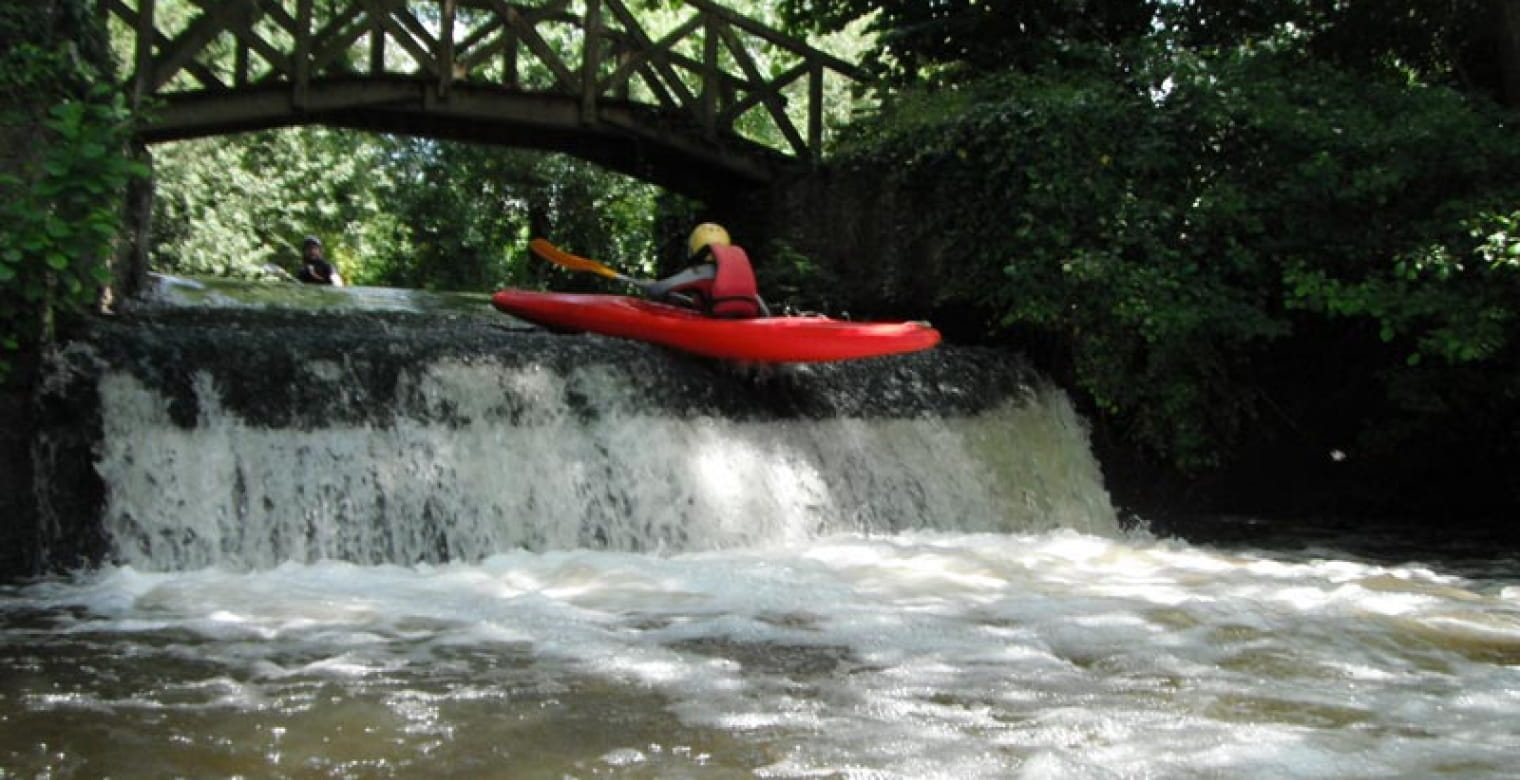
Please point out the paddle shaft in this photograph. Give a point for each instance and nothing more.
(564, 259)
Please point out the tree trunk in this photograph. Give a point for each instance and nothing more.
(129, 266)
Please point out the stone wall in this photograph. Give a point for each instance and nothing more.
(873, 257)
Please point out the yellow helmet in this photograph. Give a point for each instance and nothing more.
(704, 234)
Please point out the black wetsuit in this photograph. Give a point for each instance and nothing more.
(316, 271)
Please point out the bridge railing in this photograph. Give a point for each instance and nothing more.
(720, 73)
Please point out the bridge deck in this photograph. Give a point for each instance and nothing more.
(711, 96)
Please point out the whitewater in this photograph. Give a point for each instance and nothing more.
(1056, 654)
(392, 547)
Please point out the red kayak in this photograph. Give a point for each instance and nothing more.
(762, 339)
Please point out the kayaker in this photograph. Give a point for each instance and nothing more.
(315, 269)
(718, 280)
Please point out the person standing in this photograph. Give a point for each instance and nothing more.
(315, 268)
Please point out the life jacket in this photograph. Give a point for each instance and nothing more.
(734, 294)
(731, 293)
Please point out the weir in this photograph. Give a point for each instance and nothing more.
(376, 427)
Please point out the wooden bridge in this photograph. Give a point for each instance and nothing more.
(714, 101)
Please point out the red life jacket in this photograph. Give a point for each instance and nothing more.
(731, 293)
(734, 294)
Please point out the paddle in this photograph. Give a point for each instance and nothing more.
(564, 259)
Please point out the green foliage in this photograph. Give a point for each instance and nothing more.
(952, 41)
(1451, 42)
(231, 205)
(1170, 220)
(1176, 192)
(1451, 300)
(1172, 192)
(792, 279)
(407, 212)
(470, 210)
(61, 194)
(419, 212)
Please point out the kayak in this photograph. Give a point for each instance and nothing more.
(806, 339)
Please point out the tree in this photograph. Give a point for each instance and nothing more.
(1188, 215)
(953, 40)
(469, 211)
(1472, 44)
(411, 212)
(1459, 43)
(230, 205)
(63, 170)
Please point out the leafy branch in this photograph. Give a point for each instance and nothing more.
(60, 218)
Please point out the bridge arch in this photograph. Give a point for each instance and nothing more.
(713, 102)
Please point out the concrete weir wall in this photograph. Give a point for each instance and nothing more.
(242, 437)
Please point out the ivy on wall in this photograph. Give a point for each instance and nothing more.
(61, 184)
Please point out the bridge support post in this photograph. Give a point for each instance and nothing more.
(129, 265)
(302, 77)
(142, 59)
(815, 114)
(710, 77)
(446, 49)
(591, 60)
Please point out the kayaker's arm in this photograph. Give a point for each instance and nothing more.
(661, 290)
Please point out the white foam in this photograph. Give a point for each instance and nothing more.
(912, 654)
(518, 468)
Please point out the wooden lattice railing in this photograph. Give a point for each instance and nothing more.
(714, 72)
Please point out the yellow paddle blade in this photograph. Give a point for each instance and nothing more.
(564, 259)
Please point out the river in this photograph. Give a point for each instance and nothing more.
(1055, 654)
(791, 631)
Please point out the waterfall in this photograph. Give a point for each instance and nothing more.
(246, 437)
